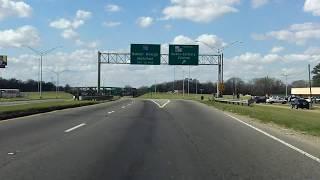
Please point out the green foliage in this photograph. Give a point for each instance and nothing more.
(301, 120)
(316, 77)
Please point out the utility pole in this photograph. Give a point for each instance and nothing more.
(310, 85)
(57, 80)
(286, 76)
(196, 86)
(41, 54)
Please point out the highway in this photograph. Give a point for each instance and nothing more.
(134, 139)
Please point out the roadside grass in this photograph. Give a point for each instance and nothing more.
(7, 112)
(35, 96)
(306, 121)
(301, 120)
(48, 95)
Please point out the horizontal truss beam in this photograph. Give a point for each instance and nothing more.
(124, 58)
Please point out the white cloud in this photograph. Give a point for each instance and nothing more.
(203, 40)
(69, 34)
(168, 26)
(10, 8)
(258, 3)
(69, 26)
(83, 15)
(61, 24)
(312, 6)
(277, 49)
(79, 20)
(212, 40)
(23, 36)
(112, 8)
(313, 51)
(112, 23)
(199, 10)
(145, 22)
(296, 33)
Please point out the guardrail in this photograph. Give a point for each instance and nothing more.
(95, 98)
(235, 101)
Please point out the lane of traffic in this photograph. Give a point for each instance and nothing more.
(29, 133)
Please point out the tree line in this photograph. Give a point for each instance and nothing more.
(29, 85)
(257, 86)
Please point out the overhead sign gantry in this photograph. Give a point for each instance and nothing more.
(150, 54)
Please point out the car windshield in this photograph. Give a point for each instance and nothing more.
(159, 89)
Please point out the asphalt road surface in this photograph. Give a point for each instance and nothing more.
(144, 140)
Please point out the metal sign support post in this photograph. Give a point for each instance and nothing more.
(99, 71)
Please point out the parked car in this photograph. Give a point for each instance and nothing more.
(260, 99)
(272, 100)
(300, 103)
(292, 98)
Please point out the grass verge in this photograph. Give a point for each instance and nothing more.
(301, 120)
(8, 112)
(35, 96)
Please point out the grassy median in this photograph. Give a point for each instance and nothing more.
(7, 112)
(26, 96)
(306, 121)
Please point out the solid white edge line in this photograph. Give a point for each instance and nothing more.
(160, 106)
(75, 127)
(277, 139)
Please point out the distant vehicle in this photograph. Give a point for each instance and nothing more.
(260, 99)
(9, 93)
(292, 98)
(272, 100)
(300, 103)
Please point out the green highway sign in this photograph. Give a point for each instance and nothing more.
(183, 55)
(145, 54)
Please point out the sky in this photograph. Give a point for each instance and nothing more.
(278, 37)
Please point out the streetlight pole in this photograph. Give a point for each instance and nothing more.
(57, 80)
(220, 50)
(183, 82)
(41, 54)
(286, 76)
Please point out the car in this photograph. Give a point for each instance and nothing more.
(292, 98)
(272, 100)
(260, 99)
(300, 103)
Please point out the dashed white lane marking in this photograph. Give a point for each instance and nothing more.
(123, 107)
(110, 112)
(74, 128)
(160, 106)
(277, 139)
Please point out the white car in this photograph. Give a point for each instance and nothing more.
(272, 100)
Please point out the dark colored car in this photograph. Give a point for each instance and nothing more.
(300, 103)
(260, 99)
